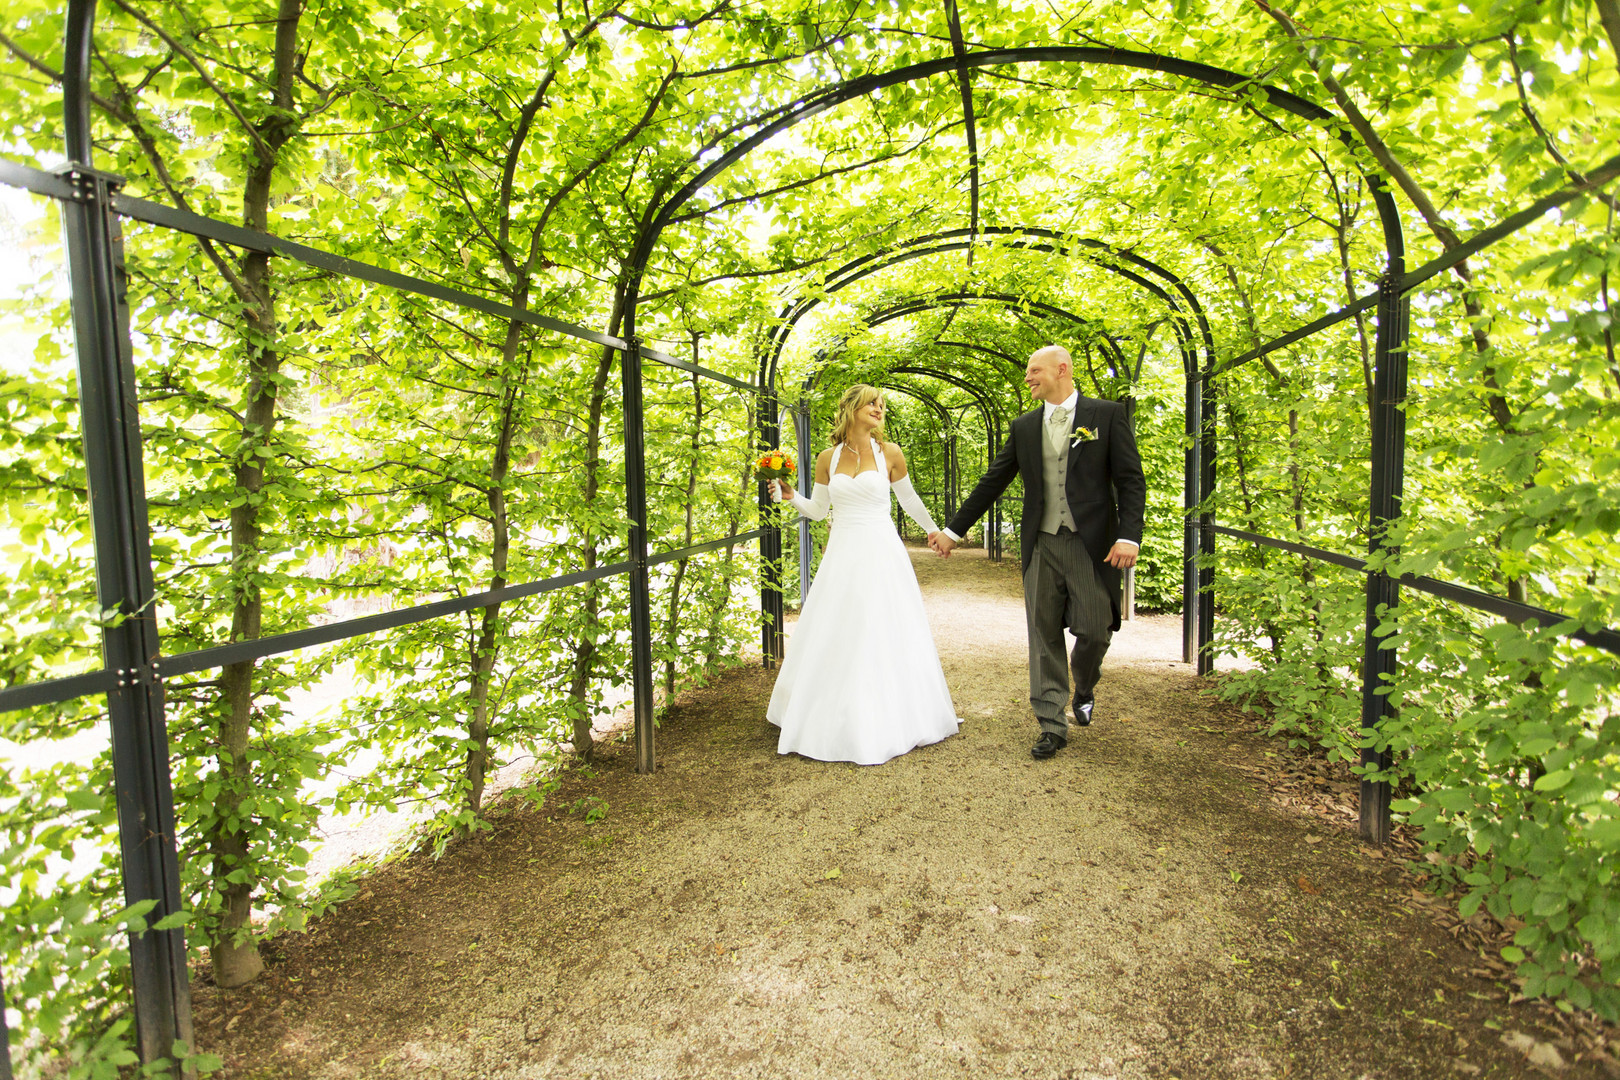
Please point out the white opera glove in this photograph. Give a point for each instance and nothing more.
(815, 507)
(913, 505)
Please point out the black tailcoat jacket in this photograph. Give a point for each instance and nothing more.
(1106, 489)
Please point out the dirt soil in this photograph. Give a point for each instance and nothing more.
(1173, 895)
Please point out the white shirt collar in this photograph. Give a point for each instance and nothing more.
(1067, 403)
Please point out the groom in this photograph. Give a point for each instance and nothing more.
(1084, 495)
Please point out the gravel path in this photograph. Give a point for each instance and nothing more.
(1138, 906)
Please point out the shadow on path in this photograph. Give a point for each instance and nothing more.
(1134, 907)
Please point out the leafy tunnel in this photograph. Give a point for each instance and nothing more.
(326, 392)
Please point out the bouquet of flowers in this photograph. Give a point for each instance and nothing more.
(775, 465)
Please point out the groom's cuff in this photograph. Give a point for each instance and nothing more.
(1133, 543)
(954, 538)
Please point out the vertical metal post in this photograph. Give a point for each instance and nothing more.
(995, 507)
(143, 789)
(5, 1036)
(1379, 663)
(770, 545)
(807, 479)
(1206, 535)
(635, 497)
(130, 644)
(1127, 605)
(1192, 478)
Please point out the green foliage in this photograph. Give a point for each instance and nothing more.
(316, 449)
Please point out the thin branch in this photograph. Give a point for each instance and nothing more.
(148, 144)
(202, 73)
(1535, 124)
(104, 104)
(804, 182)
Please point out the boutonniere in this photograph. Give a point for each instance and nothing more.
(1082, 435)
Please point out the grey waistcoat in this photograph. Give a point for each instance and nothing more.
(1054, 475)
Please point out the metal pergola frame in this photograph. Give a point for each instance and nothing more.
(1198, 579)
(135, 668)
(774, 609)
(1388, 435)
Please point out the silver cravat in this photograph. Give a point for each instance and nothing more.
(1057, 426)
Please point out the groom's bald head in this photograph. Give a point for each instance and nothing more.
(1053, 354)
(1050, 374)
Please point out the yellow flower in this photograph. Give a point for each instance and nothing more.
(776, 461)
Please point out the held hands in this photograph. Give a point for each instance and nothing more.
(941, 544)
(1122, 555)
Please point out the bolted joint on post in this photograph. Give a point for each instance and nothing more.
(89, 182)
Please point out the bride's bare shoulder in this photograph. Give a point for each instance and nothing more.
(824, 466)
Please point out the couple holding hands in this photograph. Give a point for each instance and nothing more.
(862, 681)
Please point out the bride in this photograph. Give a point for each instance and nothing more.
(861, 681)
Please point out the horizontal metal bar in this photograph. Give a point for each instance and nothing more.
(1321, 554)
(1602, 638)
(1333, 317)
(698, 549)
(1597, 178)
(97, 682)
(239, 651)
(237, 236)
(696, 369)
(1510, 610)
(52, 691)
(38, 181)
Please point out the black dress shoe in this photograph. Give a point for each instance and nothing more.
(1047, 745)
(1082, 712)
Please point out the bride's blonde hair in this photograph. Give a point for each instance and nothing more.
(854, 400)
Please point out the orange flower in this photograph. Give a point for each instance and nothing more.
(774, 465)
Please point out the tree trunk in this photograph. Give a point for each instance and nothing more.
(482, 660)
(584, 663)
(672, 624)
(721, 598)
(233, 951)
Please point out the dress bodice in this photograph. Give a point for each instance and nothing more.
(862, 499)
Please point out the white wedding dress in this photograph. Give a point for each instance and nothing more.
(861, 680)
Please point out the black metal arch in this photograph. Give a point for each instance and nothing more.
(964, 297)
(1198, 473)
(1050, 241)
(989, 408)
(781, 120)
(1388, 418)
(993, 419)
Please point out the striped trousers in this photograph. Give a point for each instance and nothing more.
(1062, 590)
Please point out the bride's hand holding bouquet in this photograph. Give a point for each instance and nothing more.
(777, 470)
